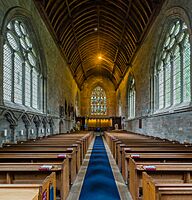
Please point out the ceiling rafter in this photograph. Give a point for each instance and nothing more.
(144, 33)
(48, 23)
(83, 29)
(72, 24)
(98, 29)
(121, 36)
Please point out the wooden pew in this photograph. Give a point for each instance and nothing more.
(47, 153)
(45, 190)
(71, 153)
(134, 144)
(124, 143)
(62, 144)
(20, 192)
(23, 173)
(164, 172)
(152, 157)
(156, 147)
(45, 158)
(53, 146)
(84, 136)
(111, 137)
(153, 149)
(131, 141)
(154, 190)
(82, 139)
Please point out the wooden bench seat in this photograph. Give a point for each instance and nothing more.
(154, 190)
(31, 161)
(154, 147)
(168, 162)
(71, 153)
(79, 145)
(23, 192)
(76, 147)
(39, 158)
(135, 142)
(85, 137)
(44, 190)
(118, 143)
(110, 137)
(59, 144)
(152, 157)
(164, 172)
(34, 173)
(79, 141)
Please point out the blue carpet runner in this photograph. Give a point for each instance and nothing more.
(99, 182)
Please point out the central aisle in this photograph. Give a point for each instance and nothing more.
(99, 182)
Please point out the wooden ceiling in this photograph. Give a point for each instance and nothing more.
(98, 37)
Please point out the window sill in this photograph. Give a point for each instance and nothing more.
(131, 118)
(174, 109)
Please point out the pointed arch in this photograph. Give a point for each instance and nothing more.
(24, 67)
(172, 79)
(10, 117)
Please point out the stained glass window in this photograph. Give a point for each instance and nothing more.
(172, 74)
(98, 102)
(21, 77)
(131, 98)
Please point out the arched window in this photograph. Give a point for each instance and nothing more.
(22, 81)
(98, 102)
(131, 97)
(119, 104)
(172, 74)
(77, 105)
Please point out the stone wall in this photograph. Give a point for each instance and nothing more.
(19, 123)
(175, 124)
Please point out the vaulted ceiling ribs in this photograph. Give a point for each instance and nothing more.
(88, 29)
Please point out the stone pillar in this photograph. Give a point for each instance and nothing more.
(12, 134)
(27, 131)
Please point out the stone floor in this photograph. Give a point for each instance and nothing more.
(76, 188)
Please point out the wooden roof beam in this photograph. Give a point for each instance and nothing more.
(121, 36)
(74, 33)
